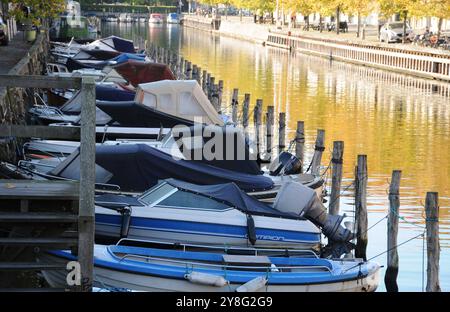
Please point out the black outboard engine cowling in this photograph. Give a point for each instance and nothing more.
(285, 164)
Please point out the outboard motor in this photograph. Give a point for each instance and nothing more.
(285, 164)
(300, 200)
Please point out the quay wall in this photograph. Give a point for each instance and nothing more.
(14, 102)
(422, 63)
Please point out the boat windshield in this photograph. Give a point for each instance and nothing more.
(157, 193)
(167, 195)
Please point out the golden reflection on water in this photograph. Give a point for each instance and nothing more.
(400, 122)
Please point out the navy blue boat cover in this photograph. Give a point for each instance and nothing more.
(107, 93)
(138, 167)
(230, 194)
(119, 44)
(132, 114)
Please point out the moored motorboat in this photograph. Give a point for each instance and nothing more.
(155, 18)
(173, 18)
(153, 269)
(183, 212)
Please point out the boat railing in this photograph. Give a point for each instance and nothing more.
(49, 111)
(257, 251)
(227, 266)
(60, 156)
(29, 164)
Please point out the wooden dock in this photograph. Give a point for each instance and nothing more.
(65, 208)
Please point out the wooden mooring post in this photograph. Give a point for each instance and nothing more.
(390, 278)
(194, 72)
(336, 177)
(180, 66)
(433, 246)
(211, 91)
(361, 207)
(219, 93)
(281, 132)
(204, 74)
(270, 118)
(245, 111)
(235, 105)
(257, 122)
(318, 150)
(300, 142)
(188, 70)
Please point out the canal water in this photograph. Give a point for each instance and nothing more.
(400, 122)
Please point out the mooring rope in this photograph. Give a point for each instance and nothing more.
(382, 253)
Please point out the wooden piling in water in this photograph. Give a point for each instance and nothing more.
(180, 73)
(318, 150)
(300, 142)
(257, 121)
(194, 72)
(235, 105)
(336, 178)
(219, 92)
(207, 85)
(188, 72)
(204, 74)
(281, 132)
(211, 87)
(433, 246)
(361, 207)
(245, 110)
(166, 56)
(199, 72)
(270, 118)
(390, 278)
(215, 97)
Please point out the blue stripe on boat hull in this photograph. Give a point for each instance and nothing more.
(209, 229)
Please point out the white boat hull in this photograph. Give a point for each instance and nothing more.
(107, 278)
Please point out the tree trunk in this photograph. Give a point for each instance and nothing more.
(320, 22)
(364, 31)
(307, 23)
(338, 11)
(358, 32)
(439, 27)
(405, 16)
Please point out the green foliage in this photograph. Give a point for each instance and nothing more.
(387, 8)
(40, 9)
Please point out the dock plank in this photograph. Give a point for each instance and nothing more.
(28, 189)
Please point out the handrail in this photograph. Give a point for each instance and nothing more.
(217, 247)
(226, 266)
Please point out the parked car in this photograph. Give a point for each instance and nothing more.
(3, 33)
(393, 32)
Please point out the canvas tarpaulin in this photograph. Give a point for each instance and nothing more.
(137, 72)
(137, 167)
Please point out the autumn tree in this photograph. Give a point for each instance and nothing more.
(41, 10)
(361, 9)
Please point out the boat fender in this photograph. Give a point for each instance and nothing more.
(206, 279)
(126, 220)
(251, 231)
(253, 285)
